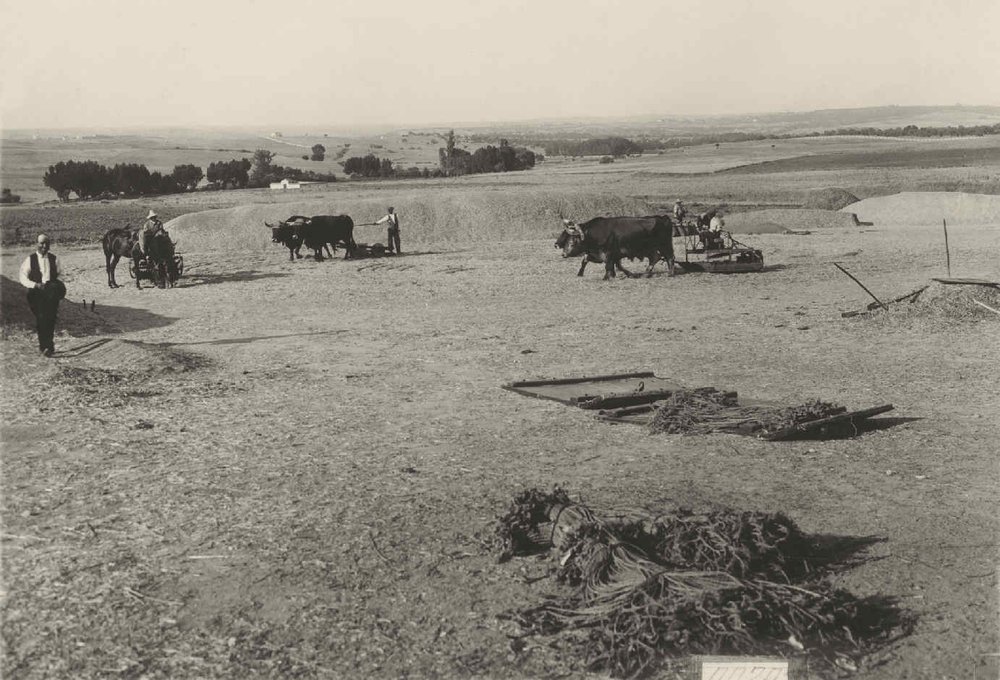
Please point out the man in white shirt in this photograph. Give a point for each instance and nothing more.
(392, 219)
(40, 275)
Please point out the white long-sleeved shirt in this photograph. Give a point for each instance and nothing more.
(391, 218)
(43, 266)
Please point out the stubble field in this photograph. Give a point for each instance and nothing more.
(291, 469)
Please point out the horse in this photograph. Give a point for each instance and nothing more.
(117, 243)
(160, 256)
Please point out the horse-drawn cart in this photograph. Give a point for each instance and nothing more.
(160, 276)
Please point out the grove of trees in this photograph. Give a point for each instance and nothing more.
(504, 158)
(89, 179)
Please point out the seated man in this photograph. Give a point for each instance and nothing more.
(712, 238)
(150, 228)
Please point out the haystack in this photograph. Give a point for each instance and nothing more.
(454, 217)
(829, 198)
(653, 587)
(929, 207)
(789, 219)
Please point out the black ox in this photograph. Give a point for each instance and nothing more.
(610, 239)
(316, 232)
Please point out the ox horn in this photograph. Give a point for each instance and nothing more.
(270, 226)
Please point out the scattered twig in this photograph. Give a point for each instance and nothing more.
(995, 311)
(371, 537)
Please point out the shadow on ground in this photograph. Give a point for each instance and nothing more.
(75, 319)
(852, 428)
(248, 340)
(242, 276)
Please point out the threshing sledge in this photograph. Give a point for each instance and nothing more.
(718, 252)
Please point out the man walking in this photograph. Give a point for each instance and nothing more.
(392, 219)
(40, 275)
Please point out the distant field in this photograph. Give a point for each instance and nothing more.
(897, 158)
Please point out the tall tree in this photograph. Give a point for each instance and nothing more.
(261, 169)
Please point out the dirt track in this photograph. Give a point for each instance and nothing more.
(301, 482)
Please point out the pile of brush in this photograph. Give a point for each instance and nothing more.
(706, 410)
(654, 587)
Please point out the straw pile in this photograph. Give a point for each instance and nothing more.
(452, 215)
(706, 410)
(938, 301)
(653, 588)
(793, 219)
(829, 198)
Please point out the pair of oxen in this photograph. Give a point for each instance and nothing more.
(319, 233)
(612, 239)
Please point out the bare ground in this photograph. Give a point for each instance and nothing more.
(289, 469)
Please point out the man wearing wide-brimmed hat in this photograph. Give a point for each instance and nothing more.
(40, 275)
(150, 228)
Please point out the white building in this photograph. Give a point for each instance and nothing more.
(285, 184)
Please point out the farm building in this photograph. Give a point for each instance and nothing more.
(286, 184)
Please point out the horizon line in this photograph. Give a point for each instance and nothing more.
(649, 117)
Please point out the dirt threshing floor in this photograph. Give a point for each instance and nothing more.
(289, 469)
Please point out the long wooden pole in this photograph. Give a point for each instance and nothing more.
(881, 304)
(947, 253)
(995, 311)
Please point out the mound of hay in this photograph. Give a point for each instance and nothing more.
(705, 410)
(790, 219)
(672, 585)
(955, 302)
(452, 216)
(829, 198)
(929, 207)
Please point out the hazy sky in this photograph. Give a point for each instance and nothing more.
(79, 63)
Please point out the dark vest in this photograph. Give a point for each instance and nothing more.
(36, 269)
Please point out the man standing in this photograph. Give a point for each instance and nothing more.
(40, 275)
(393, 231)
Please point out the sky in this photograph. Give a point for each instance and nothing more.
(165, 63)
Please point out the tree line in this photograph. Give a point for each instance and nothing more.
(89, 179)
(452, 161)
